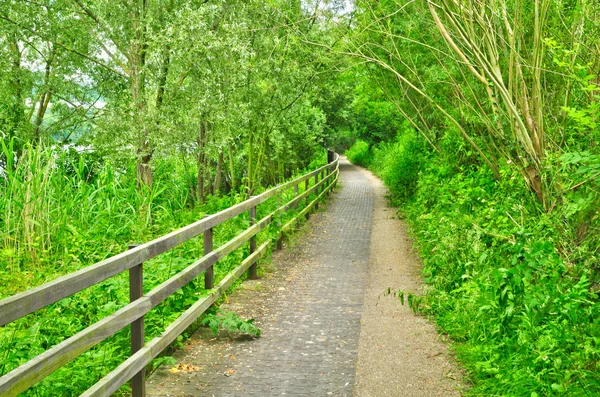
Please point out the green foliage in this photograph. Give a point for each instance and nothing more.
(218, 85)
(229, 322)
(508, 283)
(516, 288)
(359, 153)
(375, 118)
(414, 301)
(510, 251)
(397, 163)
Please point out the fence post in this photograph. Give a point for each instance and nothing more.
(136, 291)
(209, 274)
(317, 190)
(296, 195)
(336, 170)
(279, 215)
(330, 156)
(307, 199)
(252, 271)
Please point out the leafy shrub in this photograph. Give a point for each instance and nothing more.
(219, 319)
(515, 287)
(507, 284)
(399, 163)
(359, 153)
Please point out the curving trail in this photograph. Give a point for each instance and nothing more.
(326, 327)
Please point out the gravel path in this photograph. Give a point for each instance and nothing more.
(309, 307)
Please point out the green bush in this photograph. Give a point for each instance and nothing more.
(398, 164)
(359, 153)
(508, 283)
(514, 286)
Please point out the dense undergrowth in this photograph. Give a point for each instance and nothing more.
(60, 211)
(514, 286)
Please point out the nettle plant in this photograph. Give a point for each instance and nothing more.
(221, 320)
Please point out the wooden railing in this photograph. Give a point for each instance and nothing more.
(20, 305)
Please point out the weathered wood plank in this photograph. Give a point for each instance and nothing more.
(34, 299)
(136, 291)
(21, 378)
(168, 287)
(38, 368)
(209, 275)
(253, 272)
(310, 205)
(119, 376)
(294, 202)
(22, 304)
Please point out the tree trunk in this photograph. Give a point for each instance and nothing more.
(137, 59)
(162, 80)
(17, 113)
(249, 173)
(231, 167)
(201, 161)
(219, 171)
(45, 97)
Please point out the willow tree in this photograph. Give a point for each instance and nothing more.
(484, 68)
(508, 64)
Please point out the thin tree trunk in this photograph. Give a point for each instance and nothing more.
(231, 167)
(42, 107)
(219, 171)
(18, 107)
(249, 173)
(137, 59)
(201, 160)
(162, 80)
(45, 97)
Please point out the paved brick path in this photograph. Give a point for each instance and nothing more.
(310, 333)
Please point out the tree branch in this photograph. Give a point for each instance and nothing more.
(43, 37)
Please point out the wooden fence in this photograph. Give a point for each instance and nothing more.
(132, 369)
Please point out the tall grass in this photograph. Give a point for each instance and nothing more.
(25, 206)
(55, 207)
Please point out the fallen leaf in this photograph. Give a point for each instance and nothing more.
(184, 368)
(229, 372)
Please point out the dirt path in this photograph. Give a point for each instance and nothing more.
(399, 354)
(314, 306)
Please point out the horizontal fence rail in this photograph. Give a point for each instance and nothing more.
(132, 369)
